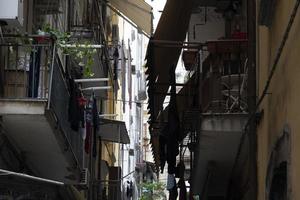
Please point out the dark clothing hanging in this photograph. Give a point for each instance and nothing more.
(129, 189)
(182, 188)
(34, 72)
(172, 152)
(162, 152)
(89, 126)
(172, 130)
(75, 112)
(95, 125)
(87, 143)
(173, 194)
(116, 62)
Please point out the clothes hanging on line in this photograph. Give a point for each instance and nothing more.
(95, 125)
(89, 125)
(182, 189)
(34, 72)
(74, 113)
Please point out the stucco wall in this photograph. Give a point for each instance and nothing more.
(281, 104)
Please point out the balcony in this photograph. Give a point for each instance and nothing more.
(225, 111)
(34, 111)
(224, 77)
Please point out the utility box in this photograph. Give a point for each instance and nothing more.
(11, 13)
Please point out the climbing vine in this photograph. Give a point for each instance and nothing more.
(83, 53)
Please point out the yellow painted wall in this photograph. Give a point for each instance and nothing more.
(281, 106)
(110, 151)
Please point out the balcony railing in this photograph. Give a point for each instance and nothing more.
(32, 72)
(224, 78)
(59, 103)
(24, 71)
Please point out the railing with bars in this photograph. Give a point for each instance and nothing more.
(24, 71)
(35, 72)
(59, 103)
(224, 86)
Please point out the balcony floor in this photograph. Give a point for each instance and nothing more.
(218, 145)
(33, 134)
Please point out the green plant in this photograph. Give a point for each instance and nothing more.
(153, 191)
(82, 52)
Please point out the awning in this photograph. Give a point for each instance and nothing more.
(138, 11)
(172, 26)
(186, 100)
(113, 131)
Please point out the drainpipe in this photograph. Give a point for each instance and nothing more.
(51, 76)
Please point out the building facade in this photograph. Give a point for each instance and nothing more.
(62, 130)
(277, 36)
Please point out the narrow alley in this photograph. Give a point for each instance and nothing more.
(149, 99)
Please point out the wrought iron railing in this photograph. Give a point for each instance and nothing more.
(224, 88)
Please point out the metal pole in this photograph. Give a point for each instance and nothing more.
(33, 73)
(90, 80)
(251, 20)
(51, 76)
(97, 88)
(82, 46)
(119, 175)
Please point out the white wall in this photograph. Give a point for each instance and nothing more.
(206, 25)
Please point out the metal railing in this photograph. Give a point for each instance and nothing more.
(24, 71)
(224, 89)
(34, 72)
(59, 103)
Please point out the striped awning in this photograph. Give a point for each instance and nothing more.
(137, 11)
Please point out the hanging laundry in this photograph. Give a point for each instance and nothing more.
(129, 189)
(173, 193)
(89, 126)
(82, 105)
(182, 188)
(34, 72)
(172, 152)
(116, 67)
(116, 62)
(172, 130)
(162, 152)
(171, 182)
(95, 125)
(172, 187)
(74, 113)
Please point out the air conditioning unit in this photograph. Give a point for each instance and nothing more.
(11, 13)
(84, 177)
